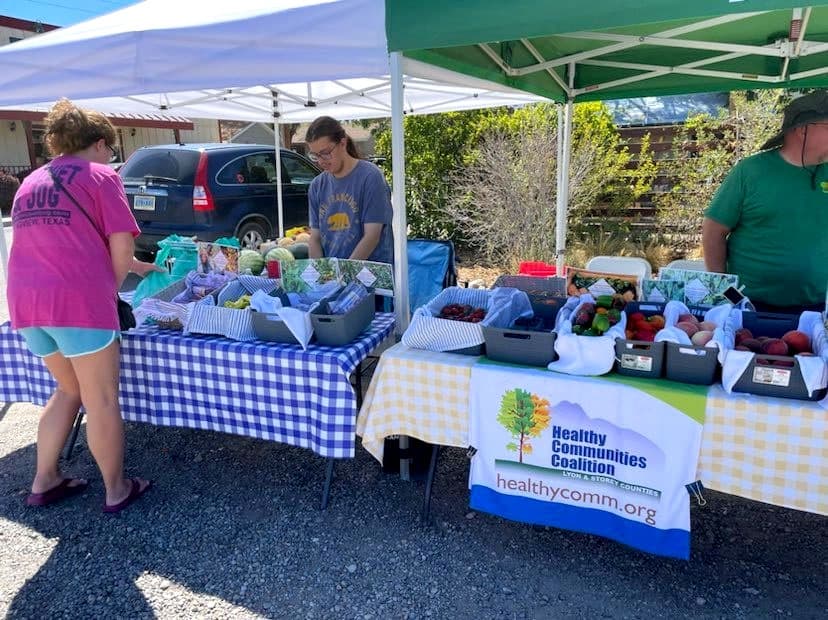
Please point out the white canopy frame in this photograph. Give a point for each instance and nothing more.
(109, 63)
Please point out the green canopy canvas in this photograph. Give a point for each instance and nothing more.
(615, 49)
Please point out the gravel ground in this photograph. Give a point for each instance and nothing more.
(232, 530)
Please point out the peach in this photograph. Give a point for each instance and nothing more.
(687, 327)
(774, 346)
(702, 337)
(707, 326)
(687, 318)
(741, 347)
(797, 341)
(743, 334)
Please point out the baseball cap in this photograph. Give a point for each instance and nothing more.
(801, 111)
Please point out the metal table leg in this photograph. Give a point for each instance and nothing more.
(326, 488)
(73, 436)
(432, 469)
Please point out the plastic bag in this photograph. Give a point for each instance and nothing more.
(177, 256)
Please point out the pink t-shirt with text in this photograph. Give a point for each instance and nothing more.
(60, 270)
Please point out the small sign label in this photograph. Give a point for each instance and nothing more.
(695, 291)
(772, 376)
(636, 362)
(601, 287)
(310, 275)
(366, 277)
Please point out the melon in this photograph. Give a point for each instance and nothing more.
(250, 261)
(285, 242)
(299, 250)
(265, 247)
(281, 254)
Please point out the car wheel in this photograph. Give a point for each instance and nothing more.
(251, 235)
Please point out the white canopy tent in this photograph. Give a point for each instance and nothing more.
(252, 60)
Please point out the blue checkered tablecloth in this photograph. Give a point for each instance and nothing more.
(259, 389)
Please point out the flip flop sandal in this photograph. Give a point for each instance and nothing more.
(134, 493)
(62, 491)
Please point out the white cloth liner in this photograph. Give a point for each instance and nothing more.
(296, 320)
(813, 368)
(584, 355)
(725, 317)
(426, 331)
(208, 316)
(159, 310)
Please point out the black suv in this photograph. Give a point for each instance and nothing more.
(214, 190)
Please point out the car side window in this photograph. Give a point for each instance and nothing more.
(256, 168)
(299, 172)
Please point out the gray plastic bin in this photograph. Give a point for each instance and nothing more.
(518, 346)
(271, 328)
(691, 363)
(340, 329)
(639, 358)
(765, 378)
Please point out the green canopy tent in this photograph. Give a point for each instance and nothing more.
(611, 49)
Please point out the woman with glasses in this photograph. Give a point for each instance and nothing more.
(73, 247)
(350, 202)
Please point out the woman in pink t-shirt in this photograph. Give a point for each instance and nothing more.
(73, 247)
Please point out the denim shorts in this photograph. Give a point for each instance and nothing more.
(70, 341)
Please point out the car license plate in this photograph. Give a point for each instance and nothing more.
(144, 203)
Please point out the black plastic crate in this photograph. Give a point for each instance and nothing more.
(765, 378)
(638, 358)
(691, 363)
(521, 346)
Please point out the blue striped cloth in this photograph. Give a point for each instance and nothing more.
(257, 389)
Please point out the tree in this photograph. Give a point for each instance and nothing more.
(524, 415)
(705, 150)
(504, 196)
(435, 146)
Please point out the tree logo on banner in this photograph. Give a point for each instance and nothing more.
(524, 415)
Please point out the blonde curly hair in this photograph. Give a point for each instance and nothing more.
(70, 129)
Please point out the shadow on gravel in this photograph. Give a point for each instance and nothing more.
(237, 519)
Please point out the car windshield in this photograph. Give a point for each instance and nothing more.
(178, 165)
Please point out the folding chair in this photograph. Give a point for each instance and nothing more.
(431, 268)
(622, 265)
(689, 265)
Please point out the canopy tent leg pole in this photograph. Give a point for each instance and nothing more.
(277, 141)
(399, 220)
(565, 146)
(398, 196)
(4, 253)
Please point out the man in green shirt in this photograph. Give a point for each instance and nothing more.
(768, 222)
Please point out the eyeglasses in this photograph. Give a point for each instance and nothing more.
(324, 154)
(115, 156)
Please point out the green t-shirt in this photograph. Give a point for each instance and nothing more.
(778, 244)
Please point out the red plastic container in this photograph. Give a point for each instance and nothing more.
(273, 269)
(537, 268)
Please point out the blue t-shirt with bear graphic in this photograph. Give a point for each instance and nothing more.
(340, 207)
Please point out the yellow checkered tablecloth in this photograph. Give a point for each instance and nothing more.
(420, 394)
(767, 449)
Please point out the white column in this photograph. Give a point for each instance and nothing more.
(4, 253)
(565, 148)
(277, 140)
(400, 221)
